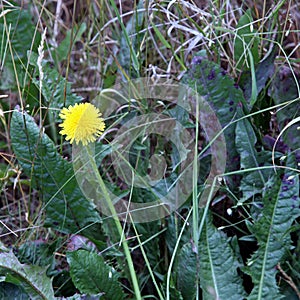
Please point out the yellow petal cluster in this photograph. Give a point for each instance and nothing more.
(81, 123)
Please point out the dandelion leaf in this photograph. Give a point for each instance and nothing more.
(223, 95)
(218, 266)
(91, 275)
(31, 279)
(187, 272)
(67, 210)
(252, 182)
(281, 208)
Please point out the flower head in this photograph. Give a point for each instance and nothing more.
(82, 123)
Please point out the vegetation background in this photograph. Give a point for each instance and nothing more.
(242, 57)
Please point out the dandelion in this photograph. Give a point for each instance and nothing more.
(82, 123)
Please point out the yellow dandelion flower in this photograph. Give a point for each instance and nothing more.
(82, 123)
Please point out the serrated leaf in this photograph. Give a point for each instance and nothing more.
(38, 253)
(218, 265)
(281, 208)
(55, 88)
(91, 275)
(67, 210)
(252, 182)
(187, 272)
(32, 279)
(222, 94)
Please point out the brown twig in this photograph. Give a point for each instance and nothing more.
(289, 280)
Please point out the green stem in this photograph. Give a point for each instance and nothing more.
(118, 225)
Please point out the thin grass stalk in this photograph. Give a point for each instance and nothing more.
(123, 240)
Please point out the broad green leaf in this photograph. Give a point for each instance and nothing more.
(91, 275)
(218, 265)
(32, 279)
(252, 182)
(67, 210)
(55, 88)
(220, 91)
(187, 272)
(280, 209)
(246, 43)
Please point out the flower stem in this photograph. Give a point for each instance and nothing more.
(118, 225)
